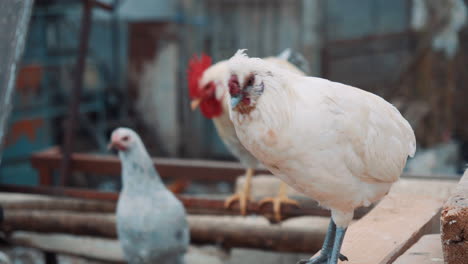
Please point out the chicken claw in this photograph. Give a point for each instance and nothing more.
(281, 198)
(243, 199)
(242, 196)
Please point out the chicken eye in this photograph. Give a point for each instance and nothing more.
(250, 80)
(125, 138)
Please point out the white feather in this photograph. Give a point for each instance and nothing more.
(219, 74)
(340, 145)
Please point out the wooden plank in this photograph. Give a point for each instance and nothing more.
(454, 224)
(395, 224)
(303, 234)
(45, 175)
(167, 167)
(213, 205)
(170, 168)
(222, 230)
(427, 250)
(268, 185)
(31, 202)
(91, 248)
(88, 247)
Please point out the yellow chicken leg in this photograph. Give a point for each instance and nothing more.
(281, 198)
(242, 196)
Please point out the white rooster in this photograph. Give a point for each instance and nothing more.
(337, 144)
(208, 90)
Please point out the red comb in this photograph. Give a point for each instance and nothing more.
(197, 65)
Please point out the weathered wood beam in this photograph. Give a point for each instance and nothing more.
(201, 170)
(210, 205)
(226, 231)
(170, 168)
(76, 223)
(427, 250)
(89, 248)
(454, 224)
(63, 204)
(267, 185)
(240, 232)
(395, 224)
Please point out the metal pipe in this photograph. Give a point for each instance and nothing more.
(76, 92)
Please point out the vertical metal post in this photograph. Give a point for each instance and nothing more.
(15, 15)
(73, 110)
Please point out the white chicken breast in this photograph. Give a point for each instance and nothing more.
(337, 144)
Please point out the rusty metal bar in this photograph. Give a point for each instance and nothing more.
(76, 92)
(194, 204)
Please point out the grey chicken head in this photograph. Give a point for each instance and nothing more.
(124, 140)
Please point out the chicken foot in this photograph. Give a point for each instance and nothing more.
(281, 198)
(243, 196)
(330, 252)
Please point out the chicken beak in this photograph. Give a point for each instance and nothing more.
(195, 103)
(112, 147)
(235, 101)
(115, 145)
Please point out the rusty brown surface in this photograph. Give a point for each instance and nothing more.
(454, 224)
(27, 128)
(29, 79)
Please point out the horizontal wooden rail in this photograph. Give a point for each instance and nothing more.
(226, 231)
(194, 204)
(169, 168)
(200, 170)
(395, 224)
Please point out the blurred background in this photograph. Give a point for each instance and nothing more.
(414, 53)
(90, 66)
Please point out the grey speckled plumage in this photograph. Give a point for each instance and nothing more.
(151, 221)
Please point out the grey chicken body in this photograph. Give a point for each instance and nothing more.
(151, 222)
